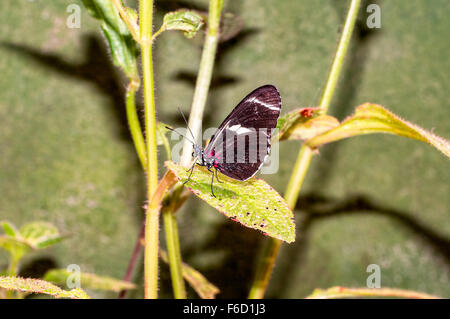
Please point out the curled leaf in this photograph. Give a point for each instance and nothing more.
(29, 285)
(344, 292)
(198, 282)
(9, 229)
(372, 118)
(132, 14)
(303, 124)
(32, 236)
(93, 281)
(40, 234)
(121, 43)
(252, 203)
(188, 21)
(15, 247)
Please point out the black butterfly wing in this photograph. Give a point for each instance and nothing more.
(242, 142)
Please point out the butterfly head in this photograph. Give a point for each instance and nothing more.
(198, 151)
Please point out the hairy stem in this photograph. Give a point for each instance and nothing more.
(152, 214)
(132, 27)
(133, 122)
(173, 245)
(265, 267)
(195, 122)
(133, 260)
(204, 77)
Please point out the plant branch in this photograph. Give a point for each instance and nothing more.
(339, 56)
(265, 266)
(132, 26)
(173, 244)
(133, 122)
(133, 260)
(157, 33)
(195, 122)
(152, 213)
(204, 77)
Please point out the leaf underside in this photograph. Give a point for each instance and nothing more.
(372, 118)
(88, 280)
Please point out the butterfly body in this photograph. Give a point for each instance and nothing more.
(241, 144)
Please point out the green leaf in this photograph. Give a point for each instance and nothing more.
(303, 124)
(230, 26)
(40, 234)
(184, 20)
(32, 236)
(132, 14)
(92, 8)
(121, 43)
(161, 138)
(253, 203)
(372, 118)
(15, 246)
(88, 280)
(198, 282)
(40, 286)
(9, 229)
(344, 292)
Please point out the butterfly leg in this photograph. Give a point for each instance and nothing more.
(217, 177)
(190, 172)
(212, 181)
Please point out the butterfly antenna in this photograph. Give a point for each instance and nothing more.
(187, 125)
(174, 130)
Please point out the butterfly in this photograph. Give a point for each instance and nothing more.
(241, 144)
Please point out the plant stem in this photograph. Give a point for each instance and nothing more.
(141, 150)
(265, 266)
(195, 122)
(132, 27)
(12, 272)
(153, 209)
(173, 245)
(272, 245)
(339, 57)
(133, 260)
(133, 122)
(152, 215)
(204, 77)
(157, 33)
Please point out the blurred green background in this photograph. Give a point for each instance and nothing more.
(66, 155)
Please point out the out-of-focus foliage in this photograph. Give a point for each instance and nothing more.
(67, 157)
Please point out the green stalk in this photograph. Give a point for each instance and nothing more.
(195, 123)
(173, 245)
(132, 27)
(272, 247)
(133, 122)
(152, 215)
(12, 272)
(204, 77)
